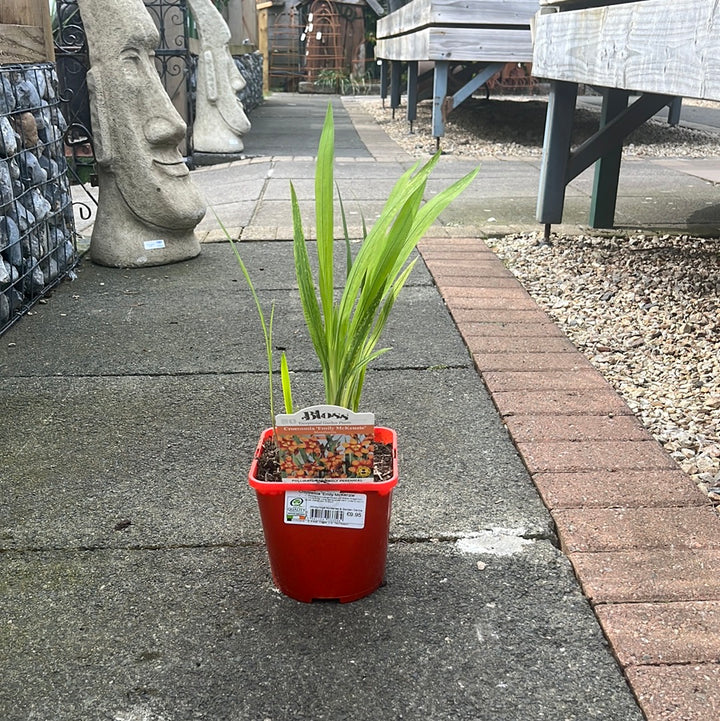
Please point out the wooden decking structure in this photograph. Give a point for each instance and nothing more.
(467, 41)
(659, 50)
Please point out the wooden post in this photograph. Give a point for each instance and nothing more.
(440, 84)
(412, 92)
(395, 89)
(263, 10)
(242, 19)
(607, 169)
(27, 35)
(556, 152)
(384, 79)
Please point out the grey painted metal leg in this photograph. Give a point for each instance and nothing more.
(674, 111)
(412, 92)
(608, 137)
(482, 76)
(607, 169)
(384, 80)
(556, 151)
(439, 92)
(395, 90)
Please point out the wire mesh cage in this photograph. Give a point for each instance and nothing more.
(37, 227)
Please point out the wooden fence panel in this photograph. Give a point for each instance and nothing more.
(25, 32)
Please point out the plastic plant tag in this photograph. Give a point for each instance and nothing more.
(325, 508)
(325, 442)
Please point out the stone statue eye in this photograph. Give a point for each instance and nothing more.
(130, 57)
(130, 63)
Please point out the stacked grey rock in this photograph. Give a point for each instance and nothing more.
(250, 67)
(36, 219)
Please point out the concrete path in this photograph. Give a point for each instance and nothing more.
(135, 582)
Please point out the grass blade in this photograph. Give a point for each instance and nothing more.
(285, 382)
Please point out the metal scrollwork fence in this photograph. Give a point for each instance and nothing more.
(174, 64)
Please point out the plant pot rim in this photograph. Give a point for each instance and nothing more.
(382, 434)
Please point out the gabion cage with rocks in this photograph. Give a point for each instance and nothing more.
(251, 67)
(37, 229)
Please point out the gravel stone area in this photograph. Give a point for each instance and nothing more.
(513, 126)
(645, 310)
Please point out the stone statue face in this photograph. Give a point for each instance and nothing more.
(220, 120)
(137, 130)
(228, 105)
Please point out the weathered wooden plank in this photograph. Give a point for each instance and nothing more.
(32, 16)
(22, 44)
(21, 12)
(405, 48)
(670, 47)
(421, 13)
(459, 44)
(577, 4)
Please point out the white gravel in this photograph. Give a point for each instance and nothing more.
(644, 309)
(513, 126)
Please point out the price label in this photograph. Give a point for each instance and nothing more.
(325, 508)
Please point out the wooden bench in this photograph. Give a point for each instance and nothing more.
(657, 49)
(481, 34)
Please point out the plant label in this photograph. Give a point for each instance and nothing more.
(326, 442)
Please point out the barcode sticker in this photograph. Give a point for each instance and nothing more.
(325, 508)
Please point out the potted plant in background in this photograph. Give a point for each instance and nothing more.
(325, 516)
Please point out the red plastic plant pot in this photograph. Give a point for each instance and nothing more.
(314, 562)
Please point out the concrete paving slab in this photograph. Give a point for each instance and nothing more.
(236, 181)
(199, 317)
(705, 168)
(272, 122)
(171, 455)
(514, 214)
(640, 175)
(345, 169)
(278, 213)
(178, 634)
(377, 141)
(351, 190)
(683, 214)
(231, 214)
(134, 576)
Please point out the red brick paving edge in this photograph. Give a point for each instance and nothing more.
(642, 539)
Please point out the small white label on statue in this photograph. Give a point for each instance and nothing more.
(325, 508)
(154, 244)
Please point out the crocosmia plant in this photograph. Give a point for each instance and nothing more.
(345, 327)
(345, 332)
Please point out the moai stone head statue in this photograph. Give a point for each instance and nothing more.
(220, 121)
(148, 206)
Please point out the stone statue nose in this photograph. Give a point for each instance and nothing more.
(161, 130)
